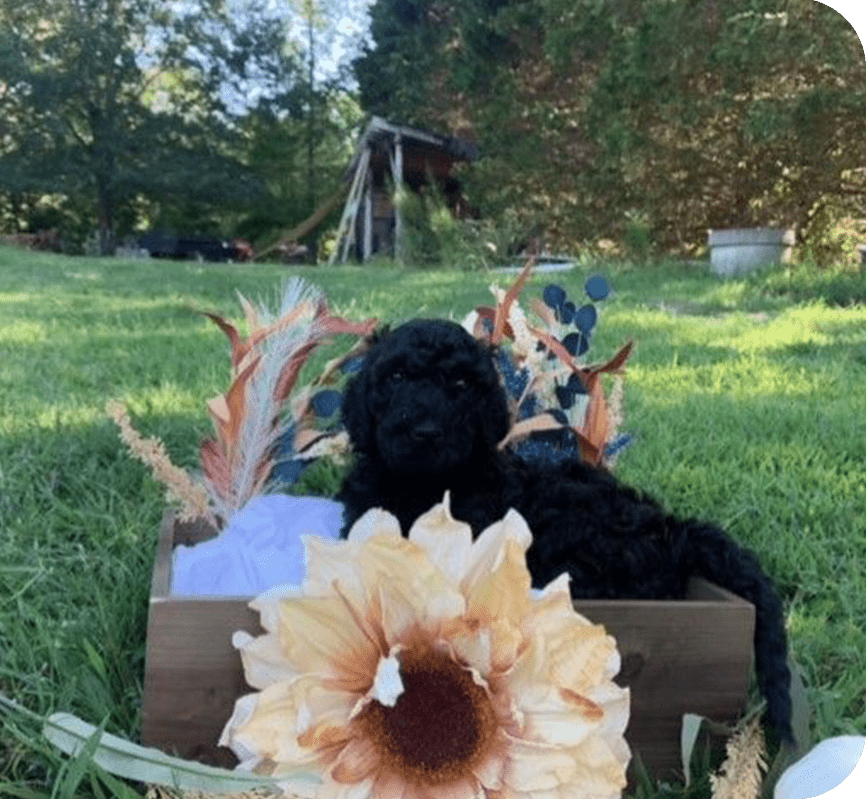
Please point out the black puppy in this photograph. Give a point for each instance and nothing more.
(426, 414)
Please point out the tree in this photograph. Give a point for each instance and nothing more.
(119, 99)
(301, 140)
(597, 115)
(278, 152)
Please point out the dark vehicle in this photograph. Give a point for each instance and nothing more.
(197, 248)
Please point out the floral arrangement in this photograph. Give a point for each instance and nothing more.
(263, 421)
(560, 408)
(424, 667)
(267, 429)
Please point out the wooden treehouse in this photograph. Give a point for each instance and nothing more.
(390, 156)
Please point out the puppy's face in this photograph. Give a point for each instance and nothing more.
(428, 397)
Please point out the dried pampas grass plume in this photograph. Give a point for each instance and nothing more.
(740, 775)
(181, 490)
(237, 461)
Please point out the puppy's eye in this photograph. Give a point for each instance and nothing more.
(459, 384)
(396, 377)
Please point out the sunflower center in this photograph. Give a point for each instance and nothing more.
(440, 725)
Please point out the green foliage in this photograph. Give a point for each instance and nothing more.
(710, 114)
(118, 100)
(433, 235)
(637, 237)
(278, 153)
(832, 235)
(836, 285)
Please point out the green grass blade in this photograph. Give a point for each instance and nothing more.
(8, 790)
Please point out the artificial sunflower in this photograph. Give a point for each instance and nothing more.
(426, 667)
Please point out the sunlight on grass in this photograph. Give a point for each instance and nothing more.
(22, 332)
(168, 398)
(803, 329)
(740, 377)
(92, 275)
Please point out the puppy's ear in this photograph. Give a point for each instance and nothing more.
(354, 412)
(498, 421)
(355, 408)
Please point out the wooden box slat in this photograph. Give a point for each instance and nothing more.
(684, 656)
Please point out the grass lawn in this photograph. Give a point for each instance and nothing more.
(746, 398)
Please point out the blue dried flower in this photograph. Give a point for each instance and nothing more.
(597, 287)
(571, 343)
(565, 397)
(549, 447)
(352, 365)
(288, 467)
(576, 385)
(514, 379)
(586, 318)
(326, 402)
(554, 296)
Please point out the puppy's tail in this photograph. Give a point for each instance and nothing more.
(720, 560)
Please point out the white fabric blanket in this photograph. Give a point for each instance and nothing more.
(259, 549)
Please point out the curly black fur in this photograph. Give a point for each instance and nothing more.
(425, 415)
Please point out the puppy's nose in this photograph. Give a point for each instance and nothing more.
(427, 431)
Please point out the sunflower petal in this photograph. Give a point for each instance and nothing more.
(446, 540)
(559, 718)
(405, 609)
(320, 635)
(374, 521)
(488, 550)
(536, 766)
(496, 580)
(265, 724)
(357, 761)
(263, 660)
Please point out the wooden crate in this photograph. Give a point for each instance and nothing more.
(693, 655)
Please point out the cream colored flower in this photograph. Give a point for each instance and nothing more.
(425, 667)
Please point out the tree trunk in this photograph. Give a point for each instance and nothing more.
(106, 217)
(311, 119)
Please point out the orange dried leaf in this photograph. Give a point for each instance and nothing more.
(596, 427)
(306, 437)
(215, 467)
(250, 312)
(501, 312)
(555, 347)
(543, 312)
(338, 325)
(614, 364)
(218, 408)
(239, 348)
(487, 313)
(591, 453)
(290, 371)
(235, 399)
